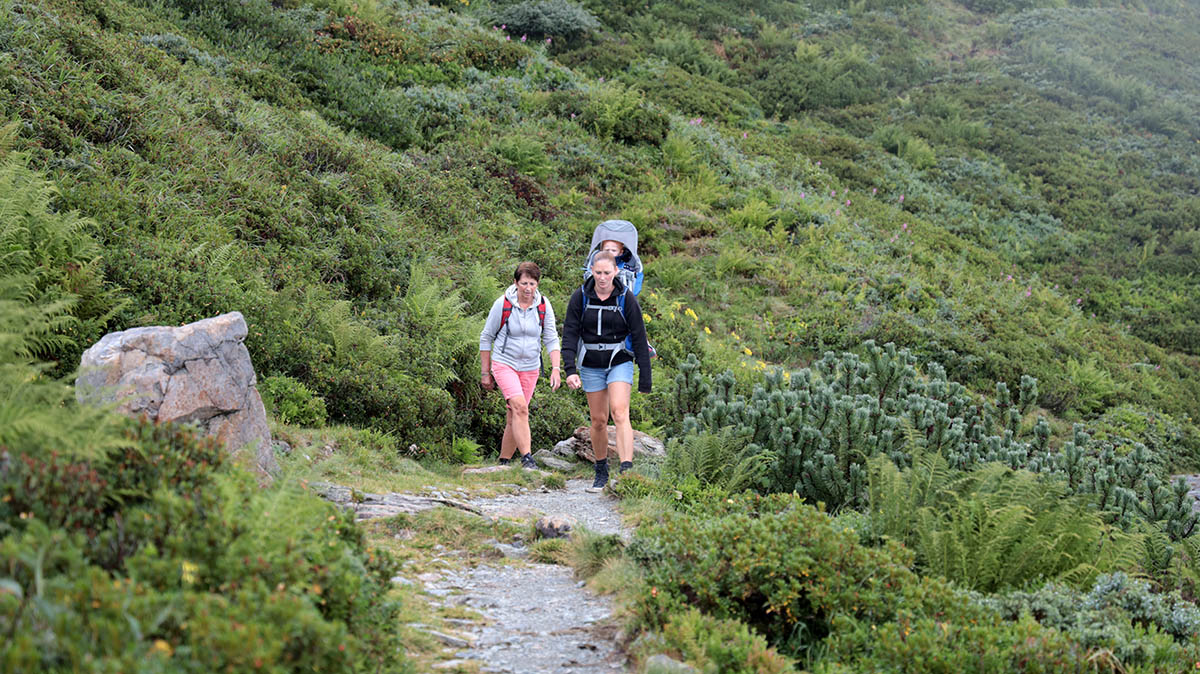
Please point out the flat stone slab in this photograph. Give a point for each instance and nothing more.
(368, 506)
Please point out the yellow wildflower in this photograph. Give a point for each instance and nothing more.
(691, 314)
(188, 571)
(671, 315)
(746, 350)
(161, 646)
(707, 331)
(761, 365)
(645, 317)
(735, 335)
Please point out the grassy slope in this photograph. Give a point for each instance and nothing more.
(304, 168)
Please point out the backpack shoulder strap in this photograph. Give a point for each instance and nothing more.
(542, 313)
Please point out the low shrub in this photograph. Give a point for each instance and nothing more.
(785, 571)
(291, 402)
(1118, 613)
(539, 19)
(166, 555)
(725, 646)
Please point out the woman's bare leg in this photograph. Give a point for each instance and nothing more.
(508, 445)
(618, 404)
(598, 409)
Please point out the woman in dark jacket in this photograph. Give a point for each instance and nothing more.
(601, 342)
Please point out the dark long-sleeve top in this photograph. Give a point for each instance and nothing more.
(613, 328)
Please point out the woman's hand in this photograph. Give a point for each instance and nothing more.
(573, 382)
(555, 379)
(486, 381)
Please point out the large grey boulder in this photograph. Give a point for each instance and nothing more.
(199, 373)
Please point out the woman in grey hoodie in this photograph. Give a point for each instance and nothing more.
(520, 323)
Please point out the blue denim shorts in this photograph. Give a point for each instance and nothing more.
(598, 378)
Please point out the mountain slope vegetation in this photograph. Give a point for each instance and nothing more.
(1006, 191)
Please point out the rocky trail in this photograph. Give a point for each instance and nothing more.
(533, 617)
(537, 617)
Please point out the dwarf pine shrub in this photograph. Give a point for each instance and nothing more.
(820, 425)
(539, 19)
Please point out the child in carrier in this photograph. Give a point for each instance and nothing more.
(620, 238)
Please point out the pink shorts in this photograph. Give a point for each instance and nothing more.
(513, 383)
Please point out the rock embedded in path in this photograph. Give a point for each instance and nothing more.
(368, 506)
(485, 469)
(643, 445)
(565, 448)
(555, 526)
(198, 373)
(549, 460)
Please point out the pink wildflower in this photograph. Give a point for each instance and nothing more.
(523, 38)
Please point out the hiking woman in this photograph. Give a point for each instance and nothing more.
(603, 336)
(520, 323)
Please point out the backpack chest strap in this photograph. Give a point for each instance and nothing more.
(601, 308)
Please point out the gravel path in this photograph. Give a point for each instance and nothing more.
(540, 620)
(538, 617)
(596, 512)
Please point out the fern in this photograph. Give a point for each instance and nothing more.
(723, 460)
(48, 261)
(435, 316)
(37, 413)
(994, 528)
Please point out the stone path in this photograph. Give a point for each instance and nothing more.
(596, 512)
(536, 617)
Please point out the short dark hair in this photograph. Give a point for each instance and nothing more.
(529, 269)
(604, 255)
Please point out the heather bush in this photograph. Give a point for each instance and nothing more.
(716, 645)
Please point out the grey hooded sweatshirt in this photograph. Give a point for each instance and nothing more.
(518, 344)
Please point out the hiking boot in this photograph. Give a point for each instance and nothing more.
(528, 463)
(601, 477)
(503, 462)
(625, 465)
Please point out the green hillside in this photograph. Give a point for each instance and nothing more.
(1006, 191)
